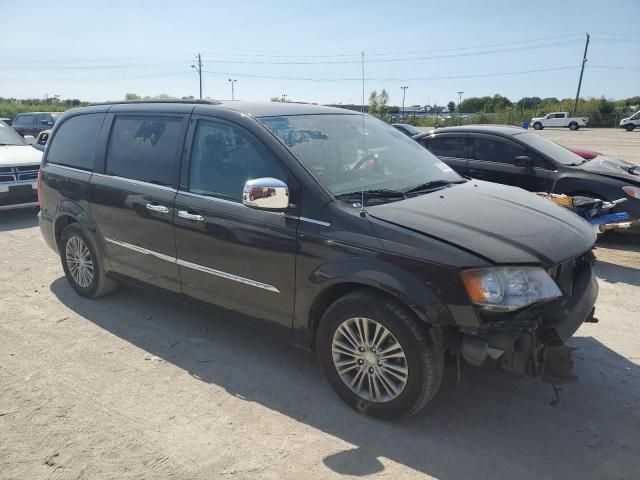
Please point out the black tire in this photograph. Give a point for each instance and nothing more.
(422, 348)
(629, 127)
(537, 126)
(573, 126)
(99, 284)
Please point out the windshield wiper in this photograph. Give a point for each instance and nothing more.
(432, 185)
(374, 193)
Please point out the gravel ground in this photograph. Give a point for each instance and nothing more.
(136, 386)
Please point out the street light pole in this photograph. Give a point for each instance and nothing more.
(198, 68)
(460, 97)
(404, 92)
(232, 82)
(284, 98)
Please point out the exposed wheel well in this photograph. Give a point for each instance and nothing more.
(62, 223)
(330, 295)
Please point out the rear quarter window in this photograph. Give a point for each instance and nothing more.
(144, 148)
(74, 144)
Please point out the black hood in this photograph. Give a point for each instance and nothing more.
(499, 223)
(613, 167)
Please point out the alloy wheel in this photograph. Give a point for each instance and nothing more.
(79, 261)
(369, 359)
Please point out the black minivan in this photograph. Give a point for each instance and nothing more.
(326, 226)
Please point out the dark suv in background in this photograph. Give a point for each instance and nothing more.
(32, 123)
(326, 226)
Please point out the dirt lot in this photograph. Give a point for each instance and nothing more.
(135, 386)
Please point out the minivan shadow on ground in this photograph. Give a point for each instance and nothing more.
(18, 219)
(488, 425)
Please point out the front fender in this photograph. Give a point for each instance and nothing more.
(421, 295)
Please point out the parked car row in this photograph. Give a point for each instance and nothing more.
(32, 123)
(19, 165)
(326, 226)
(514, 156)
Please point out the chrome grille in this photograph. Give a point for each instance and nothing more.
(23, 173)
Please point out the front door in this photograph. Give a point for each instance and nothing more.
(132, 201)
(494, 160)
(452, 149)
(230, 255)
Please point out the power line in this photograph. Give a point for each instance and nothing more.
(99, 79)
(389, 60)
(613, 67)
(406, 52)
(405, 79)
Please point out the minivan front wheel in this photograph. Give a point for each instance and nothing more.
(82, 264)
(377, 357)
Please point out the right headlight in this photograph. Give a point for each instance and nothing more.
(505, 289)
(632, 191)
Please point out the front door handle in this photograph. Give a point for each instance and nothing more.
(157, 208)
(190, 216)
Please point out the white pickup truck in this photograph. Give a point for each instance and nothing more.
(630, 123)
(559, 119)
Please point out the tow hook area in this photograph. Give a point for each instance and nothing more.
(557, 365)
(552, 363)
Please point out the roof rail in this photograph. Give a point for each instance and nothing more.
(159, 100)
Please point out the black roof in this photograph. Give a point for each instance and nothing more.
(255, 109)
(504, 130)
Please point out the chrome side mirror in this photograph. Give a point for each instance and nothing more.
(30, 139)
(266, 193)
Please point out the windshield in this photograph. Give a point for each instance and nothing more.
(348, 153)
(411, 129)
(8, 136)
(549, 148)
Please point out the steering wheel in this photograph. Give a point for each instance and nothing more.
(366, 162)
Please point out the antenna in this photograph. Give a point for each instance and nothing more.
(362, 210)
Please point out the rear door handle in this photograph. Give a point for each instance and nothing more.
(157, 208)
(190, 216)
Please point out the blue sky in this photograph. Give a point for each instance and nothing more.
(101, 50)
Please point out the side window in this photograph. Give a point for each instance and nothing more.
(24, 120)
(74, 143)
(224, 157)
(496, 151)
(144, 148)
(559, 115)
(447, 146)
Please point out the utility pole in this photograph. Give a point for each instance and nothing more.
(460, 97)
(404, 92)
(233, 95)
(584, 60)
(198, 68)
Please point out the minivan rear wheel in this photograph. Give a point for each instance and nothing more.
(82, 263)
(377, 357)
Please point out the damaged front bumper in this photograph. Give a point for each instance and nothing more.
(533, 342)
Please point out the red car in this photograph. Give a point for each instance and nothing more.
(585, 152)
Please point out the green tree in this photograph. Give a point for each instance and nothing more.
(383, 100)
(451, 106)
(131, 96)
(373, 102)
